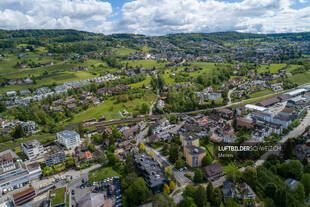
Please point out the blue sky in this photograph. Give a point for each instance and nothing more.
(157, 17)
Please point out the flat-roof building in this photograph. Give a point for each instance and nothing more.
(194, 155)
(24, 196)
(151, 171)
(32, 148)
(70, 139)
(296, 92)
(14, 173)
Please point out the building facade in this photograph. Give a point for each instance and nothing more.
(70, 139)
(32, 148)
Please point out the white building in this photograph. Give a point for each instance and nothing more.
(70, 139)
(32, 148)
(14, 173)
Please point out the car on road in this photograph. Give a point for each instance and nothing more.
(82, 186)
(72, 192)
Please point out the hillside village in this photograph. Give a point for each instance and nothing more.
(132, 120)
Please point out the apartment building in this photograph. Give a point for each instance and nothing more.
(70, 139)
(32, 148)
(194, 155)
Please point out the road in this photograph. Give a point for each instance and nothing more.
(229, 95)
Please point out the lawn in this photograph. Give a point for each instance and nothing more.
(229, 167)
(300, 78)
(260, 93)
(101, 174)
(273, 68)
(146, 82)
(210, 149)
(59, 196)
(110, 108)
(147, 64)
(123, 51)
(55, 78)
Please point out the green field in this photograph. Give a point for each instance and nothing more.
(300, 78)
(273, 68)
(48, 80)
(123, 51)
(101, 174)
(260, 93)
(146, 82)
(147, 64)
(109, 109)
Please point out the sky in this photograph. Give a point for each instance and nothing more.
(157, 17)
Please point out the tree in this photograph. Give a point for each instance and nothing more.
(188, 202)
(129, 164)
(168, 170)
(292, 169)
(305, 180)
(233, 174)
(144, 108)
(151, 154)
(288, 148)
(270, 189)
(137, 192)
(268, 202)
(173, 153)
(18, 132)
(216, 200)
(231, 203)
(189, 191)
(166, 189)
(2, 107)
(201, 197)
(209, 191)
(206, 160)
(141, 147)
(150, 131)
(307, 168)
(81, 130)
(162, 200)
(69, 162)
(198, 177)
(250, 176)
(299, 193)
(171, 186)
(179, 163)
(91, 147)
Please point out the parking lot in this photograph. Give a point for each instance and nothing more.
(110, 188)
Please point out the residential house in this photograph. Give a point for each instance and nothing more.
(24, 92)
(226, 113)
(11, 94)
(229, 137)
(213, 172)
(291, 183)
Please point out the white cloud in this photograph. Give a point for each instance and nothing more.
(46, 14)
(166, 16)
(156, 17)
